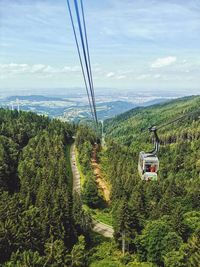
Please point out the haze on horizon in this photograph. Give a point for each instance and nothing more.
(147, 44)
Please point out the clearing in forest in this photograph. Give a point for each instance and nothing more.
(101, 182)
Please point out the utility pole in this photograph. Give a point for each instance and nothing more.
(17, 101)
(102, 135)
(123, 242)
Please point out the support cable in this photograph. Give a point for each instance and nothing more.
(178, 119)
(88, 53)
(85, 58)
(80, 59)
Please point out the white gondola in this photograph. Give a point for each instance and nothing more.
(148, 166)
(148, 163)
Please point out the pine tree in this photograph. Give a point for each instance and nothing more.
(78, 254)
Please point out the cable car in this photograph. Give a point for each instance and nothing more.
(148, 164)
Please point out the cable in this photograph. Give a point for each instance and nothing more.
(178, 119)
(143, 130)
(88, 53)
(85, 57)
(157, 127)
(79, 54)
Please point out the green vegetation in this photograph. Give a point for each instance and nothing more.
(38, 217)
(101, 215)
(108, 254)
(82, 177)
(85, 140)
(43, 224)
(69, 171)
(160, 221)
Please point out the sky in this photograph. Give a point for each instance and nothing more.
(134, 44)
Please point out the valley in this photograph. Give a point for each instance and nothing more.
(54, 195)
(73, 106)
(99, 133)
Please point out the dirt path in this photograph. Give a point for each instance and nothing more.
(98, 227)
(103, 229)
(75, 171)
(102, 184)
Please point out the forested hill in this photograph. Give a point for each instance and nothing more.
(128, 127)
(161, 220)
(37, 222)
(43, 224)
(19, 132)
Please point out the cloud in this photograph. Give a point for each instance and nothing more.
(120, 77)
(13, 68)
(132, 34)
(149, 76)
(110, 74)
(71, 69)
(143, 76)
(37, 68)
(41, 69)
(116, 75)
(163, 62)
(157, 76)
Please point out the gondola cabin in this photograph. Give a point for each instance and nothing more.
(148, 166)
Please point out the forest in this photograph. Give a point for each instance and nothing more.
(39, 221)
(42, 223)
(160, 221)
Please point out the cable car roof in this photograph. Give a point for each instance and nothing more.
(148, 156)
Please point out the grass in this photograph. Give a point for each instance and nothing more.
(100, 215)
(103, 216)
(80, 169)
(69, 170)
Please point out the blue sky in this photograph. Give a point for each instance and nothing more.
(134, 44)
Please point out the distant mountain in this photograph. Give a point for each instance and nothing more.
(38, 98)
(154, 101)
(113, 108)
(73, 109)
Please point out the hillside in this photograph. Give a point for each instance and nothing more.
(128, 127)
(161, 221)
(38, 219)
(44, 224)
